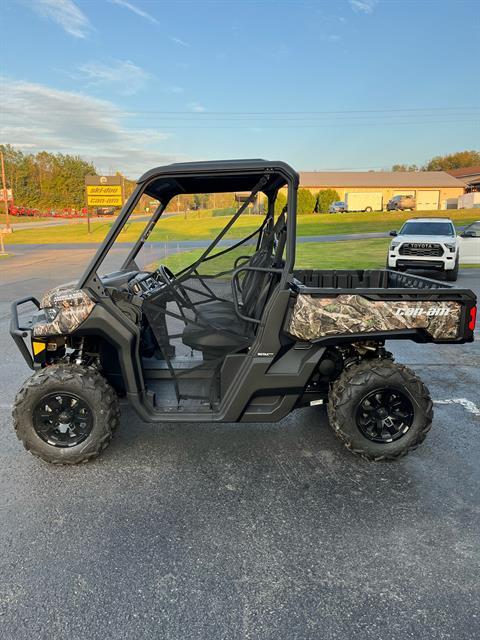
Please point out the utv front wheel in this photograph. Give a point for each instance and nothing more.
(380, 410)
(66, 414)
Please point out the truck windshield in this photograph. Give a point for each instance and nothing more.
(428, 229)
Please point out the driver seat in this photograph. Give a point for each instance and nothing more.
(217, 328)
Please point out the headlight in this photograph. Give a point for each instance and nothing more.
(451, 246)
(64, 308)
(394, 244)
(51, 313)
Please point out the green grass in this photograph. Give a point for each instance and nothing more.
(177, 228)
(72, 233)
(345, 254)
(19, 219)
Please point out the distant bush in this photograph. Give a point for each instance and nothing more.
(325, 199)
(305, 202)
(226, 211)
(201, 213)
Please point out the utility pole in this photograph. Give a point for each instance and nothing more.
(5, 194)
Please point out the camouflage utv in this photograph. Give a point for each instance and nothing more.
(238, 335)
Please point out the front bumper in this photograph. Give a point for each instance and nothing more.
(22, 335)
(443, 263)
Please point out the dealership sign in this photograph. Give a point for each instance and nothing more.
(104, 191)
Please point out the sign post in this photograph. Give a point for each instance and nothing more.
(6, 196)
(103, 191)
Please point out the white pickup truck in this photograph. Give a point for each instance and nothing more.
(425, 243)
(469, 244)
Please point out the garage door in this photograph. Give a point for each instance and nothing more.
(427, 200)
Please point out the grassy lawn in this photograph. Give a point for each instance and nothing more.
(20, 219)
(347, 254)
(177, 228)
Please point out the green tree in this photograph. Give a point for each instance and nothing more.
(46, 180)
(453, 161)
(325, 199)
(305, 201)
(405, 167)
(280, 203)
(200, 200)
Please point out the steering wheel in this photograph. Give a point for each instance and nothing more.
(167, 277)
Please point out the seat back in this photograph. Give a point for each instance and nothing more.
(257, 285)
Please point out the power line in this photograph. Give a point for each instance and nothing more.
(307, 126)
(204, 114)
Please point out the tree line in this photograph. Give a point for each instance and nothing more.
(56, 181)
(444, 163)
(46, 180)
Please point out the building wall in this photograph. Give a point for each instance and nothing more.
(446, 199)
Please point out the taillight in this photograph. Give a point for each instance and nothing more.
(473, 317)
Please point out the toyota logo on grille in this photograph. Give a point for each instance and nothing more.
(421, 245)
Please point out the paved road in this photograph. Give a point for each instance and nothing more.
(179, 245)
(242, 532)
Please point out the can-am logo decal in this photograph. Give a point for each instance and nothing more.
(413, 312)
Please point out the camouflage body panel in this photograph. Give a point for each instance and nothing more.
(313, 318)
(72, 307)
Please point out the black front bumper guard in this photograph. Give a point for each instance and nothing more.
(23, 335)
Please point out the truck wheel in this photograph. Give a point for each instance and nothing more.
(66, 414)
(368, 210)
(452, 275)
(380, 410)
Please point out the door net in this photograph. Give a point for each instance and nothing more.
(193, 322)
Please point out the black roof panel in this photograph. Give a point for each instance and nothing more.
(215, 176)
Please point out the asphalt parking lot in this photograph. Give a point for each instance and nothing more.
(257, 531)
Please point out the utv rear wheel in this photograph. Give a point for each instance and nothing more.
(66, 414)
(380, 410)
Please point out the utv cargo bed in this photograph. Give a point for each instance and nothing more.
(380, 303)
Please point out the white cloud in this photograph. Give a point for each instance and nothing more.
(175, 89)
(37, 117)
(365, 6)
(332, 37)
(65, 13)
(135, 9)
(126, 76)
(179, 41)
(196, 106)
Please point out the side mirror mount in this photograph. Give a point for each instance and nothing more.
(393, 233)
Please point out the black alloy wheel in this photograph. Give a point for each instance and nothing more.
(384, 415)
(62, 419)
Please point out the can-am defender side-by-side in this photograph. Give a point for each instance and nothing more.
(237, 336)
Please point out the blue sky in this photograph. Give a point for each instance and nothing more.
(354, 84)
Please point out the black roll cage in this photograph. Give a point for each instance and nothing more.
(166, 182)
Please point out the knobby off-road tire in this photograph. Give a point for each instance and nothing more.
(356, 383)
(94, 395)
